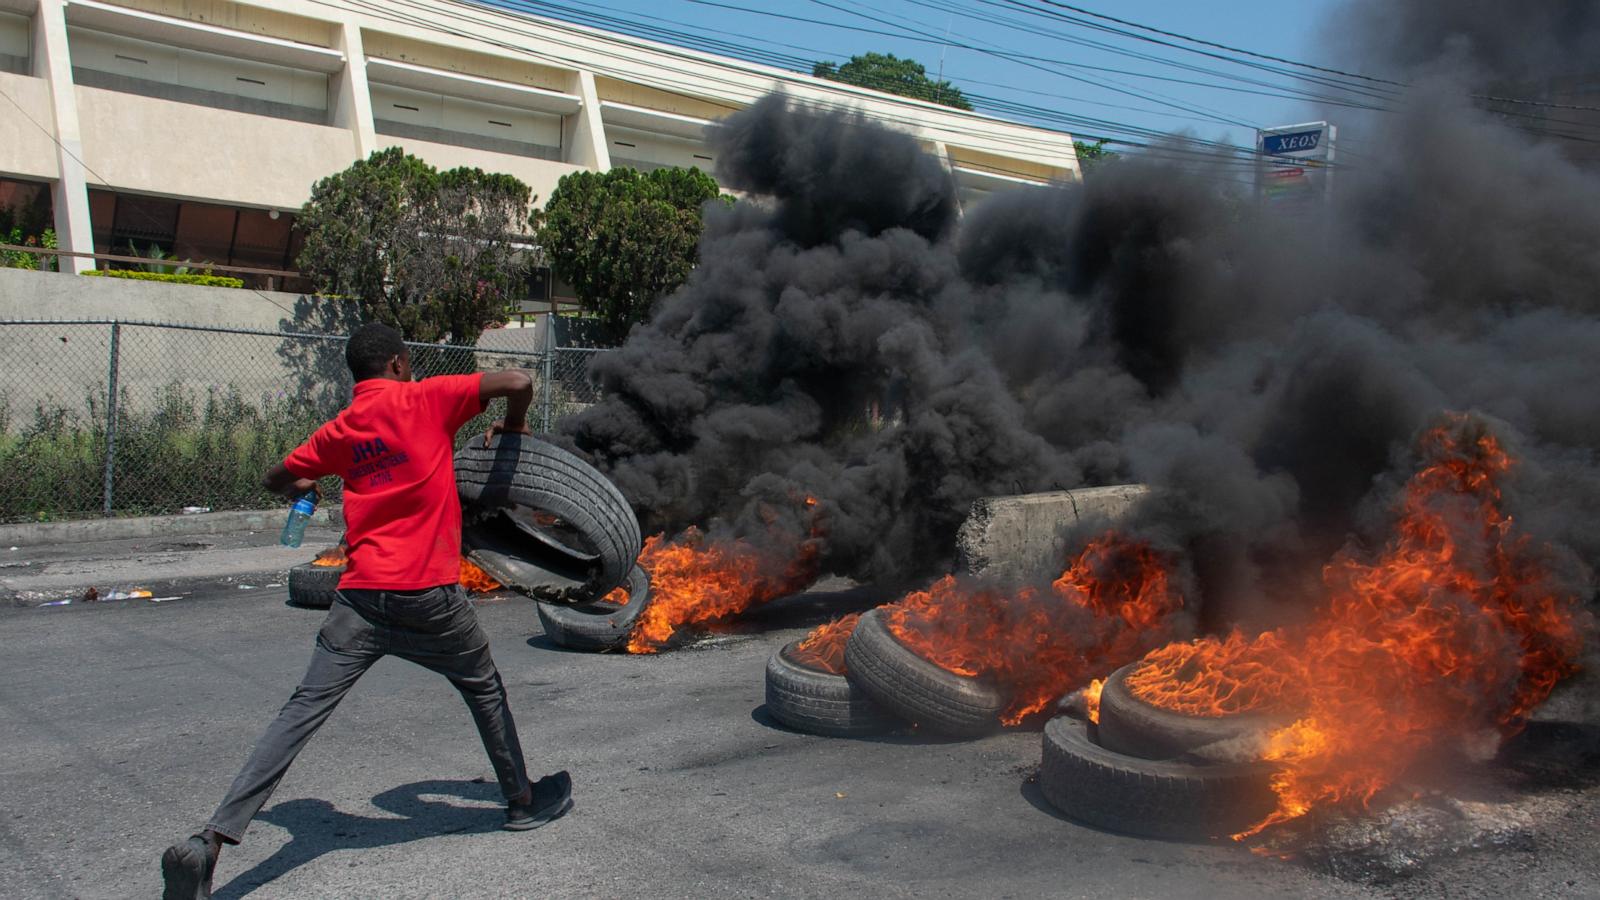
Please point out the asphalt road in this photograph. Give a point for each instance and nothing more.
(124, 723)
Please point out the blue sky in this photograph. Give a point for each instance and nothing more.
(1059, 77)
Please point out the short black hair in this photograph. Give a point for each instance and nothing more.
(370, 348)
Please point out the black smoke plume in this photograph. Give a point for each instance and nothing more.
(847, 336)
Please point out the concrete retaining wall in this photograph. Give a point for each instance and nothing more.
(1020, 537)
(61, 366)
(26, 294)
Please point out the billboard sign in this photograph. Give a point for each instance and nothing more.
(1295, 162)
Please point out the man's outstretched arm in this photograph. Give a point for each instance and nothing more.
(279, 480)
(517, 387)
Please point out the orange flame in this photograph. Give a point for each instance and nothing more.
(823, 648)
(1218, 676)
(475, 579)
(695, 580)
(1091, 699)
(1112, 603)
(618, 596)
(472, 578)
(1455, 629)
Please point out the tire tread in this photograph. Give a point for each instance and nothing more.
(917, 690)
(819, 702)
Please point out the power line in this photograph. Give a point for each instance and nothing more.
(1169, 151)
(1031, 29)
(1051, 67)
(1043, 114)
(805, 64)
(388, 13)
(1292, 62)
(1011, 108)
(1205, 43)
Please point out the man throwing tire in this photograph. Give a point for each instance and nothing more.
(400, 593)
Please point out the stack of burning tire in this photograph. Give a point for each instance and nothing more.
(1133, 767)
(807, 689)
(854, 677)
(1122, 764)
(545, 523)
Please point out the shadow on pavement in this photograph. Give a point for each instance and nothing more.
(315, 827)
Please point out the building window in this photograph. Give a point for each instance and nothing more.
(26, 213)
(199, 233)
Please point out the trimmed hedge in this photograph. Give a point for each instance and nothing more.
(207, 280)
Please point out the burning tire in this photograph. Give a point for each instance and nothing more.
(816, 701)
(1160, 798)
(916, 690)
(543, 518)
(597, 626)
(1134, 727)
(312, 586)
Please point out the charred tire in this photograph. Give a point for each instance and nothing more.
(819, 702)
(597, 626)
(517, 470)
(908, 686)
(1132, 727)
(1159, 798)
(314, 587)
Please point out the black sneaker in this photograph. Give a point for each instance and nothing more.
(186, 868)
(551, 798)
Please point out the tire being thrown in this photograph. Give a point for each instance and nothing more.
(914, 689)
(314, 587)
(597, 626)
(820, 702)
(1158, 798)
(1134, 727)
(516, 471)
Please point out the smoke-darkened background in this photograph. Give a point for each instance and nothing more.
(850, 336)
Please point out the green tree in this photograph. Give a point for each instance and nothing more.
(887, 72)
(1092, 155)
(623, 238)
(432, 253)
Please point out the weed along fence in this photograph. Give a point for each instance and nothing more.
(200, 412)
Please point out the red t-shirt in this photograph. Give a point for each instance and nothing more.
(394, 448)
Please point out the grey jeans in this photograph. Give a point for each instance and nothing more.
(435, 628)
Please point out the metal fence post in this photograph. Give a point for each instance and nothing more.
(111, 415)
(549, 367)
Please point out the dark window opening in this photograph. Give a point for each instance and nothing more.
(27, 211)
(176, 233)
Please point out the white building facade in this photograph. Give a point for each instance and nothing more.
(199, 126)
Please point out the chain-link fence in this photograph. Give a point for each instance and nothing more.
(200, 412)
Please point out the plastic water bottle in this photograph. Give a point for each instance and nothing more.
(294, 530)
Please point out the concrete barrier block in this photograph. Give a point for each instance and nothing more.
(1020, 537)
